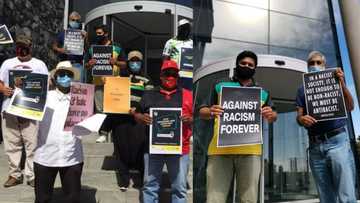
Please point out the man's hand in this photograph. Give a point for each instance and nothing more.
(339, 74)
(112, 61)
(187, 119)
(91, 63)
(268, 114)
(143, 118)
(60, 50)
(7, 91)
(307, 120)
(216, 110)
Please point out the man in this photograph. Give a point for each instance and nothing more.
(168, 95)
(244, 161)
(331, 158)
(58, 45)
(129, 136)
(180, 45)
(58, 151)
(118, 62)
(17, 131)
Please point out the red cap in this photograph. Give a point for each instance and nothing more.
(167, 64)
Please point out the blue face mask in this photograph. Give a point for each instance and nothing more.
(74, 24)
(135, 66)
(64, 81)
(314, 69)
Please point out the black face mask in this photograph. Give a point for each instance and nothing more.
(99, 39)
(244, 73)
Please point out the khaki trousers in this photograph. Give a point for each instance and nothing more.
(220, 173)
(18, 133)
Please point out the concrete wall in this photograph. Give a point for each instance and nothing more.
(43, 19)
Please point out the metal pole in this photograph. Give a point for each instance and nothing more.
(66, 14)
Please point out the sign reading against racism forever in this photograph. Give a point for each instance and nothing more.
(29, 100)
(240, 124)
(165, 131)
(5, 36)
(81, 104)
(323, 95)
(117, 95)
(74, 42)
(102, 54)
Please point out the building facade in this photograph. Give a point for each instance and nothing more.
(283, 34)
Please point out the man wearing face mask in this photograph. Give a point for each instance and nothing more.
(331, 158)
(19, 132)
(58, 45)
(58, 151)
(129, 136)
(168, 95)
(245, 161)
(118, 62)
(176, 46)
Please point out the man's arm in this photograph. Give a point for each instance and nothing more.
(349, 102)
(5, 90)
(304, 120)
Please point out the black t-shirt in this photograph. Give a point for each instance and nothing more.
(155, 99)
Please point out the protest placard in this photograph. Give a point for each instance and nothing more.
(29, 100)
(81, 104)
(5, 36)
(241, 122)
(74, 42)
(102, 55)
(186, 63)
(165, 131)
(323, 95)
(117, 95)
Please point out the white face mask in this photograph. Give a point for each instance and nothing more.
(312, 69)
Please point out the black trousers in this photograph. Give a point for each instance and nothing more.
(70, 181)
(129, 141)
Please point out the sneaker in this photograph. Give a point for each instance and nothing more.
(123, 189)
(11, 181)
(31, 183)
(101, 139)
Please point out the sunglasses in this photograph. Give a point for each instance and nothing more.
(170, 73)
(65, 73)
(313, 63)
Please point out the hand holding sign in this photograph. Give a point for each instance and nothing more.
(216, 110)
(187, 119)
(7, 91)
(268, 113)
(307, 121)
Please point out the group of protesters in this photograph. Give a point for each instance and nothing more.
(50, 150)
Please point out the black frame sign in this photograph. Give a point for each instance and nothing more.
(5, 36)
(102, 54)
(324, 96)
(241, 122)
(166, 131)
(74, 42)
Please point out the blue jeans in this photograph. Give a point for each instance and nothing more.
(333, 167)
(177, 167)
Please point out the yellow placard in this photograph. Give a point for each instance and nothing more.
(117, 95)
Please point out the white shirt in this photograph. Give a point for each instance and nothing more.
(56, 147)
(35, 65)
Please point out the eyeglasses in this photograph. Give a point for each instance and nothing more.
(313, 63)
(76, 20)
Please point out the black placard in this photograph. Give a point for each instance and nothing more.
(166, 131)
(5, 36)
(74, 42)
(240, 124)
(102, 54)
(186, 60)
(323, 95)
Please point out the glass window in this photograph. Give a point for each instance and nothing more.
(307, 8)
(256, 3)
(220, 49)
(233, 21)
(289, 176)
(301, 33)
